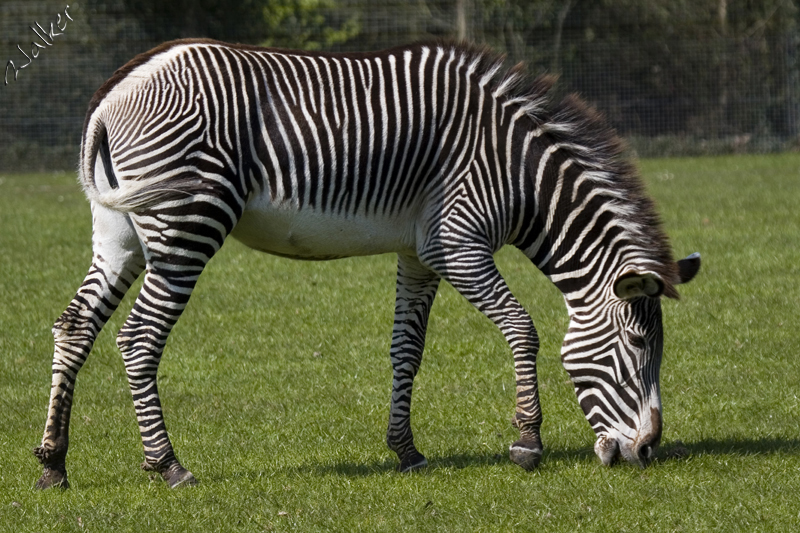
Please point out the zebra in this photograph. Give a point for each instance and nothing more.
(434, 151)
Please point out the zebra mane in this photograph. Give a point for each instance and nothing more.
(592, 143)
(598, 148)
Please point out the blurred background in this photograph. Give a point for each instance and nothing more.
(675, 77)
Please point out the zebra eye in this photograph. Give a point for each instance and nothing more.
(637, 341)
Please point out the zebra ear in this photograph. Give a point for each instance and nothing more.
(632, 285)
(688, 268)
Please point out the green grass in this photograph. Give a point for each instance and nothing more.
(281, 439)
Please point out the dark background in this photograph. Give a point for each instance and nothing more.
(675, 77)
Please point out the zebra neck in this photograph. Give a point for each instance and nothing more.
(579, 223)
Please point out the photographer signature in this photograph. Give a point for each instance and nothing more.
(41, 34)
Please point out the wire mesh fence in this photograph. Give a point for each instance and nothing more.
(716, 76)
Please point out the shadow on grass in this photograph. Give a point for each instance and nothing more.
(732, 446)
(668, 452)
(457, 461)
(735, 447)
(350, 469)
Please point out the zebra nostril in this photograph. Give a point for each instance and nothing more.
(646, 454)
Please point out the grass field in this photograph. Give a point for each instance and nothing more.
(276, 385)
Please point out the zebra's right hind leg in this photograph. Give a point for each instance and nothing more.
(416, 289)
(116, 263)
(177, 249)
(141, 341)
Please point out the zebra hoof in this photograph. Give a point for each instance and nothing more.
(525, 456)
(53, 478)
(178, 476)
(175, 475)
(411, 462)
(185, 480)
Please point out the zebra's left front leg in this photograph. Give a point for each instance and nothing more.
(416, 289)
(476, 277)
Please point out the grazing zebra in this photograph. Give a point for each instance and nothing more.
(434, 152)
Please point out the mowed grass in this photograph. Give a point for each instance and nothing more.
(276, 385)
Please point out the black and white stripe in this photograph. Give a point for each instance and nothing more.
(430, 151)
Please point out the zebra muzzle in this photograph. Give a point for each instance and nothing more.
(607, 449)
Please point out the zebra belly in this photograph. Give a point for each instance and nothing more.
(311, 235)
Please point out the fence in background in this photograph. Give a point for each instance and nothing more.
(701, 80)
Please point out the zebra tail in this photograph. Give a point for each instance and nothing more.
(93, 133)
(126, 195)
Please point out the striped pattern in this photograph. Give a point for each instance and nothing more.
(431, 151)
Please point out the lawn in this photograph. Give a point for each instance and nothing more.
(276, 385)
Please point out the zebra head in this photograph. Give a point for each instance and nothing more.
(612, 352)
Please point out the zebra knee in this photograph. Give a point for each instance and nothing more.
(72, 323)
(124, 342)
(62, 328)
(73, 337)
(519, 329)
(128, 346)
(141, 355)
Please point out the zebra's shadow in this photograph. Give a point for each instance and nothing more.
(669, 451)
(453, 461)
(353, 469)
(734, 446)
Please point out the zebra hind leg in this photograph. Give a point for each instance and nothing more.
(177, 252)
(116, 263)
(141, 342)
(416, 289)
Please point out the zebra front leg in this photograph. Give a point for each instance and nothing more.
(478, 280)
(416, 289)
(521, 335)
(116, 263)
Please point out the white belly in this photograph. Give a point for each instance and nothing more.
(314, 235)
